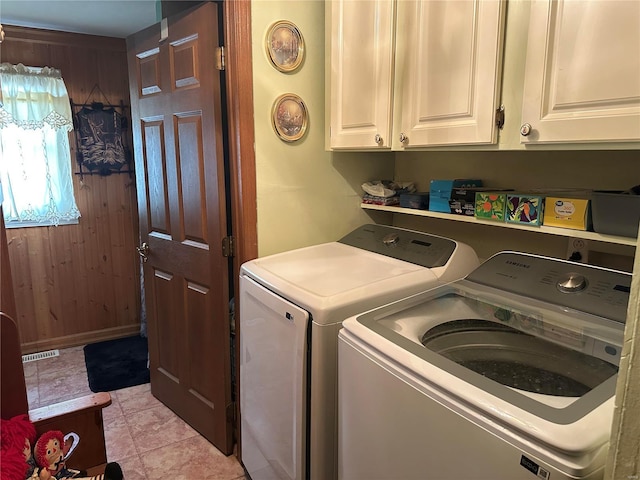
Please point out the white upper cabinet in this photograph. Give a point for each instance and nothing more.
(362, 41)
(427, 71)
(582, 77)
(448, 71)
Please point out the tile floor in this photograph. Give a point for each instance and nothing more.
(148, 440)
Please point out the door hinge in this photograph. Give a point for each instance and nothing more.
(220, 58)
(228, 247)
(231, 412)
(500, 116)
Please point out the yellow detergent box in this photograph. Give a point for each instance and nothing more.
(567, 212)
(491, 205)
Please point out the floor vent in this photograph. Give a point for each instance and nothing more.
(32, 357)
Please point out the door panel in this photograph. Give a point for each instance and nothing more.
(449, 72)
(192, 182)
(362, 73)
(582, 71)
(176, 97)
(164, 288)
(184, 58)
(149, 71)
(155, 170)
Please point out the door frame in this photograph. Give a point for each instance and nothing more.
(239, 85)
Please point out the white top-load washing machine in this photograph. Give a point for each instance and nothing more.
(507, 374)
(292, 305)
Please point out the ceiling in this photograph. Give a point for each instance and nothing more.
(111, 18)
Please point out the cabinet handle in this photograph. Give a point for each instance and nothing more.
(378, 139)
(525, 129)
(403, 138)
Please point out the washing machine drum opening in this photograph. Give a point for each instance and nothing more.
(517, 359)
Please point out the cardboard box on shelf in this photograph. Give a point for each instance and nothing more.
(440, 192)
(463, 200)
(417, 200)
(524, 209)
(567, 212)
(490, 205)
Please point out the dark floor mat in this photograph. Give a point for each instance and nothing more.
(116, 364)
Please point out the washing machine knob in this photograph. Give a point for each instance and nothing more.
(572, 283)
(391, 239)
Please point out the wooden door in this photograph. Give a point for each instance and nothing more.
(582, 79)
(176, 101)
(448, 71)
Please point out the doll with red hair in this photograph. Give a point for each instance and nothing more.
(48, 459)
(16, 438)
(51, 452)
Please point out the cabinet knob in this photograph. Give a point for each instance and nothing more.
(403, 138)
(378, 139)
(525, 129)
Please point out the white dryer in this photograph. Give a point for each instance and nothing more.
(292, 305)
(507, 374)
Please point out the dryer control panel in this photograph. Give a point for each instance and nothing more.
(415, 247)
(586, 288)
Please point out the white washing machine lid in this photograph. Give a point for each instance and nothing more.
(509, 357)
(335, 280)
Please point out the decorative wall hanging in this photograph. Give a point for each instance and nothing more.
(101, 137)
(289, 117)
(285, 46)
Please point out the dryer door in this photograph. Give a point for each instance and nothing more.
(273, 384)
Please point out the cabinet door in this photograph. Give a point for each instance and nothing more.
(361, 73)
(448, 64)
(582, 80)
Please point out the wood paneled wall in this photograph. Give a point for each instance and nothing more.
(76, 284)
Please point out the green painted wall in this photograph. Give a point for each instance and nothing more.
(305, 194)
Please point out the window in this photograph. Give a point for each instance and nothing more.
(35, 158)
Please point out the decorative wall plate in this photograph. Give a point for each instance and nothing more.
(289, 117)
(285, 46)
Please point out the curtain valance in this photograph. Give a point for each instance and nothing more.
(35, 157)
(31, 97)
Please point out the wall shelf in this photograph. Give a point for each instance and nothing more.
(564, 232)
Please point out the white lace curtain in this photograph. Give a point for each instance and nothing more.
(35, 158)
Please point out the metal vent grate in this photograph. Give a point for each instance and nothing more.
(32, 357)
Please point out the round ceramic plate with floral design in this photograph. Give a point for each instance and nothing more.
(285, 46)
(289, 116)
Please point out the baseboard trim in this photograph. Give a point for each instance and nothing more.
(80, 339)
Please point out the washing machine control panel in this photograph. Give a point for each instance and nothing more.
(586, 288)
(416, 247)
(571, 283)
